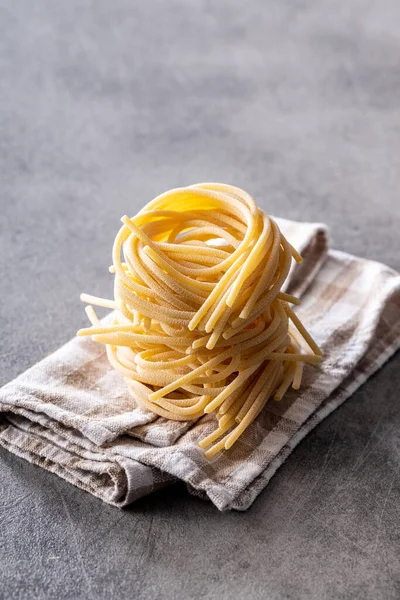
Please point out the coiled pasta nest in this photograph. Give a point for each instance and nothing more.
(201, 324)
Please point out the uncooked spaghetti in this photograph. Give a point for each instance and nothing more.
(200, 323)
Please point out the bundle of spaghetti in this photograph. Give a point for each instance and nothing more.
(200, 323)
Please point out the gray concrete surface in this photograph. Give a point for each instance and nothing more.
(105, 104)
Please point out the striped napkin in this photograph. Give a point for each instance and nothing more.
(72, 414)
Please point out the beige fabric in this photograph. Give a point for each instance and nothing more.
(72, 415)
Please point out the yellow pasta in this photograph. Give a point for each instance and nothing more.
(200, 324)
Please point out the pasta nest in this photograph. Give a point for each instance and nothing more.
(201, 324)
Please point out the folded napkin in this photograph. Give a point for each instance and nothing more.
(72, 413)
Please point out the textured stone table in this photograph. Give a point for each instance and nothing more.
(102, 106)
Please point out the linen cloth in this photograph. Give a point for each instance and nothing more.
(72, 414)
